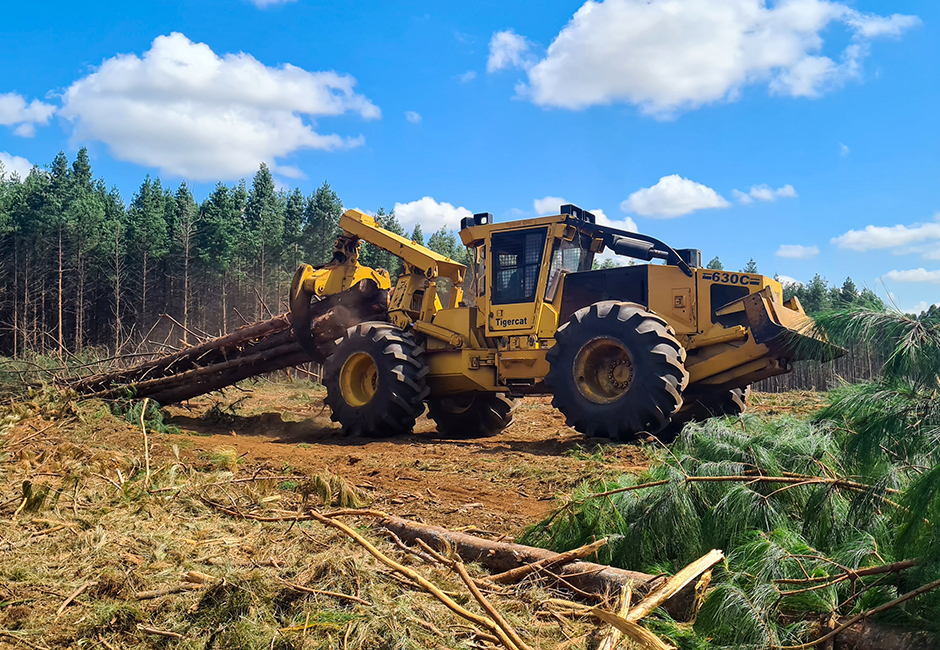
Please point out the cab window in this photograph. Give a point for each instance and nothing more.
(517, 260)
(567, 257)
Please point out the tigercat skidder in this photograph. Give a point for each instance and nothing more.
(624, 351)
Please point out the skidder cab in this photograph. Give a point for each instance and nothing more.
(635, 349)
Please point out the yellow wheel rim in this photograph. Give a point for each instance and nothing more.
(359, 379)
(603, 370)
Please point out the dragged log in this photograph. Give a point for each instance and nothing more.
(598, 580)
(250, 351)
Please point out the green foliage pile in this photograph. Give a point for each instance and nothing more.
(857, 486)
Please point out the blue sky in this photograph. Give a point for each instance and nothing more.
(802, 133)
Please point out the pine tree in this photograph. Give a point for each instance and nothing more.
(417, 235)
(750, 267)
(293, 229)
(715, 264)
(55, 205)
(217, 238)
(848, 294)
(114, 250)
(147, 230)
(321, 224)
(266, 227)
(186, 221)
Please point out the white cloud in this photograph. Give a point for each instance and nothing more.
(264, 4)
(922, 306)
(764, 193)
(10, 164)
(667, 56)
(673, 196)
(844, 150)
(898, 236)
(413, 117)
(548, 205)
(914, 275)
(23, 116)
(623, 224)
(786, 279)
(468, 76)
(430, 214)
(796, 251)
(509, 50)
(190, 112)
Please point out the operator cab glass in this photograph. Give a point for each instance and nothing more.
(567, 257)
(517, 260)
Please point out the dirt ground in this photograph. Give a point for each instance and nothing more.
(501, 484)
(86, 530)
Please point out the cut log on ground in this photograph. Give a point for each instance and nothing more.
(249, 351)
(598, 580)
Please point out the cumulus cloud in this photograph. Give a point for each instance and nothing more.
(509, 50)
(786, 279)
(668, 56)
(623, 224)
(430, 214)
(10, 164)
(413, 117)
(764, 193)
(914, 275)
(548, 205)
(922, 306)
(796, 251)
(23, 116)
(673, 196)
(190, 112)
(915, 238)
(468, 76)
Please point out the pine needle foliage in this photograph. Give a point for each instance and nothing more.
(802, 502)
(715, 488)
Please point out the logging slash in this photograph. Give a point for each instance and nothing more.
(250, 351)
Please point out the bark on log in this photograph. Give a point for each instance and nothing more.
(249, 351)
(604, 581)
(867, 635)
(597, 579)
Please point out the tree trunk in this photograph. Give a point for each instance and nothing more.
(186, 288)
(260, 314)
(117, 290)
(61, 329)
(224, 308)
(16, 299)
(80, 306)
(143, 293)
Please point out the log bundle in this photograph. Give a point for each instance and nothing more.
(250, 351)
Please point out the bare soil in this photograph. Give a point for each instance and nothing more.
(501, 483)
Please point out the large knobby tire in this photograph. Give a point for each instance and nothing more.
(703, 405)
(471, 415)
(616, 370)
(375, 381)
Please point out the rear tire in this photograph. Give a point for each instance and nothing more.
(704, 406)
(616, 370)
(472, 415)
(375, 381)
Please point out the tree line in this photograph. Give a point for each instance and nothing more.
(80, 267)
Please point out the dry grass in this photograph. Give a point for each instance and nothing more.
(78, 514)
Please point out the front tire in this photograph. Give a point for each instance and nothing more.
(375, 381)
(472, 415)
(616, 370)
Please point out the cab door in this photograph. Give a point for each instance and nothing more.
(515, 280)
